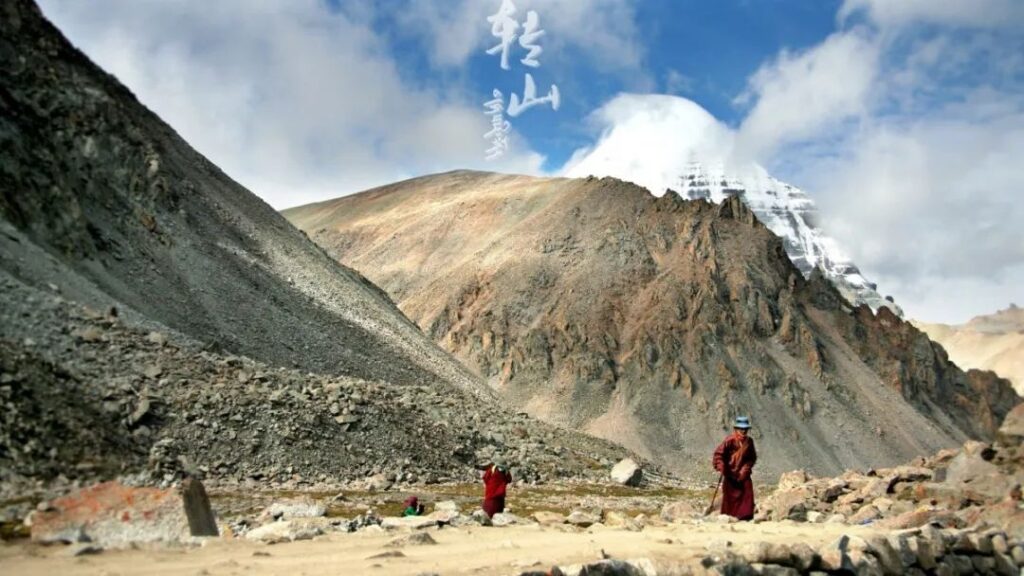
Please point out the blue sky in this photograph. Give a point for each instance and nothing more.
(904, 119)
(702, 50)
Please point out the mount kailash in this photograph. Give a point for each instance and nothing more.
(669, 143)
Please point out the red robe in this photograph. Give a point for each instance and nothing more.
(494, 489)
(737, 488)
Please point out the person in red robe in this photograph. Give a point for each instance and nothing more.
(734, 459)
(496, 478)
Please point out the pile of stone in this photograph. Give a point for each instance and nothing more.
(923, 550)
(927, 550)
(978, 484)
(101, 397)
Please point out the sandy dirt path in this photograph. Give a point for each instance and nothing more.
(475, 550)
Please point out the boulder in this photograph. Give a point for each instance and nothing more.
(545, 518)
(911, 474)
(414, 539)
(627, 472)
(290, 509)
(607, 568)
(1011, 433)
(966, 468)
(888, 556)
(919, 517)
(505, 519)
(792, 479)
(446, 506)
(408, 522)
(614, 519)
(767, 553)
(679, 511)
(583, 517)
(284, 531)
(480, 517)
(443, 517)
(112, 515)
(791, 504)
(866, 515)
(833, 490)
(876, 488)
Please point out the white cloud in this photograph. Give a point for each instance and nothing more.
(797, 96)
(921, 184)
(604, 30)
(970, 13)
(675, 82)
(908, 136)
(669, 130)
(940, 197)
(294, 100)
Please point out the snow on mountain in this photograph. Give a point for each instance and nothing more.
(669, 143)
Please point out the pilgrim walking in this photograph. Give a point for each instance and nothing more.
(734, 459)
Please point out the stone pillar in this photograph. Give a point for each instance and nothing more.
(197, 508)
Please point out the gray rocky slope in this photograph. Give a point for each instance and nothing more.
(217, 337)
(130, 214)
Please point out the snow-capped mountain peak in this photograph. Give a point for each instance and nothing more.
(668, 143)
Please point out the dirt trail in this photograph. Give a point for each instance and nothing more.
(474, 550)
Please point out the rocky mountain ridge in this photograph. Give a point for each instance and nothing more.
(653, 321)
(988, 342)
(670, 144)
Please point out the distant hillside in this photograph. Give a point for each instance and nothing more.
(653, 321)
(992, 342)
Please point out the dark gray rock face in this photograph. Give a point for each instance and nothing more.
(131, 216)
(218, 341)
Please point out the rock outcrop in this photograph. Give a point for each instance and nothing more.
(991, 342)
(976, 486)
(654, 321)
(111, 515)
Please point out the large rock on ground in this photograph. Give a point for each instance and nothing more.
(285, 531)
(792, 479)
(791, 504)
(545, 518)
(584, 517)
(289, 509)
(1011, 433)
(505, 519)
(627, 472)
(678, 511)
(113, 515)
(410, 522)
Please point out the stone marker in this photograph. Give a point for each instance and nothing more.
(197, 508)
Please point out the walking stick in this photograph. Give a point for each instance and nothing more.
(711, 505)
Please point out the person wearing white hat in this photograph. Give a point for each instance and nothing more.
(734, 459)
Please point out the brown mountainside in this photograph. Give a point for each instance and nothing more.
(653, 321)
(990, 342)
